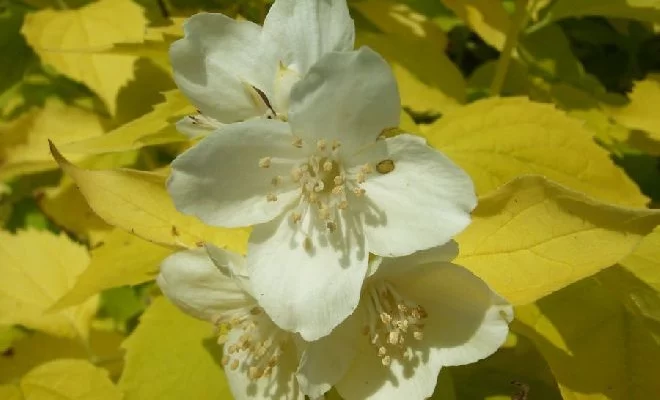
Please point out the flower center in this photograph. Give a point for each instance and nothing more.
(392, 322)
(325, 185)
(258, 350)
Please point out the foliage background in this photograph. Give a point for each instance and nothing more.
(567, 90)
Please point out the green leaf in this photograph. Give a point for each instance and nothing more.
(171, 356)
(643, 10)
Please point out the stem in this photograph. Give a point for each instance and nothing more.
(510, 43)
(61, 4)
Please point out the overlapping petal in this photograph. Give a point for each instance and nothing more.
(307, 280)
(423, 200)
(350, 97)
(220, 180)
(191, 280)
(217, 64)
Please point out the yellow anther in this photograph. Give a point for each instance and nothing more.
(418, 335)
(296, 174)
(342, 205)
(331, 225)
(234, 365)
(385, 166)
(327, 166)
(359, 192)
(296, 217)
(386, 361)
(337, 190)
(271, 197)
(321, 144)
(265, 162)
(339, 180)
(297, 142)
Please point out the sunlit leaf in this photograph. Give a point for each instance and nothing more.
(594, 346)
(168, 343)
(533, 237)
(498, 139)
(24, 141)
(137, 202)
(65, 380)
(72, 41)
(38, 267)
(123, 259)
(156, 127)
(644, 10)
(486, 17)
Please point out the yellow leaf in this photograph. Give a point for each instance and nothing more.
(641, 113)
(486, 17)
(595, 348)
(428, 80)
(156, 127)
(644, 262)
(123, 259)
(72, 41)
(37, 348)
(137, 202)
(533, 237)
(24, 142)
(37, 268)
(495, 140)
(415, 47)
(67, 208)
(10, 392)
(66, 380)
(168, 343)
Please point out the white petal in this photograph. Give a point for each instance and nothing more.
(232, 265)
(281, 385)
(304, 30)
(216, 63)
(195, 126)
(192, 282)
(369, 379)
(423, 202)
(351, 97)
(325, 361)
(391, 267)
(307, 289)
(220, 180)
(466, 321)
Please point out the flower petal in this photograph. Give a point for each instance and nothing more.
(467, 321)
(192, 282)
(350, 97)
(325, 361)
(422, 202)
(369, 379)
(220, 179)
(280, 385)
(308, 282)
(218, 61)
(304, 30)
(232, 265)
(390, 267)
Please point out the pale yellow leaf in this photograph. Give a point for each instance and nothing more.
(24, 141)
(67, 380)
(73, 42)
(596, 349)
(31, 350)
(487, 18)
(644, 262)
(137, 202)
(533, 237)
(497, 139)
(10, 392)
(123, 259)
(641, 113)
(156, 127)
(37, 268)
(169, 343)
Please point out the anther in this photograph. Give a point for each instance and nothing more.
(276, 180)
(265, 162)
(342, 205)
(385, 166)
(296, 217)
(339, 180)
(321, 145)
(297, 142)
(327, 166)
(359, 192)
(418, 335)
(337, 190)
(271, 197)
(360, 177)
(234, 365)
(331, 225)
(386, 361)
(336, 144)
(367, 169)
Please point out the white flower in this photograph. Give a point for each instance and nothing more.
(417, 314)
(260, 359)
(323, 191)
(235, 70)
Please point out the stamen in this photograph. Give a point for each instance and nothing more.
(327, 166)
(271, 197)
(359, 192)
(385, 166)
(321, 144)
(297, 142)
(265, 162)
